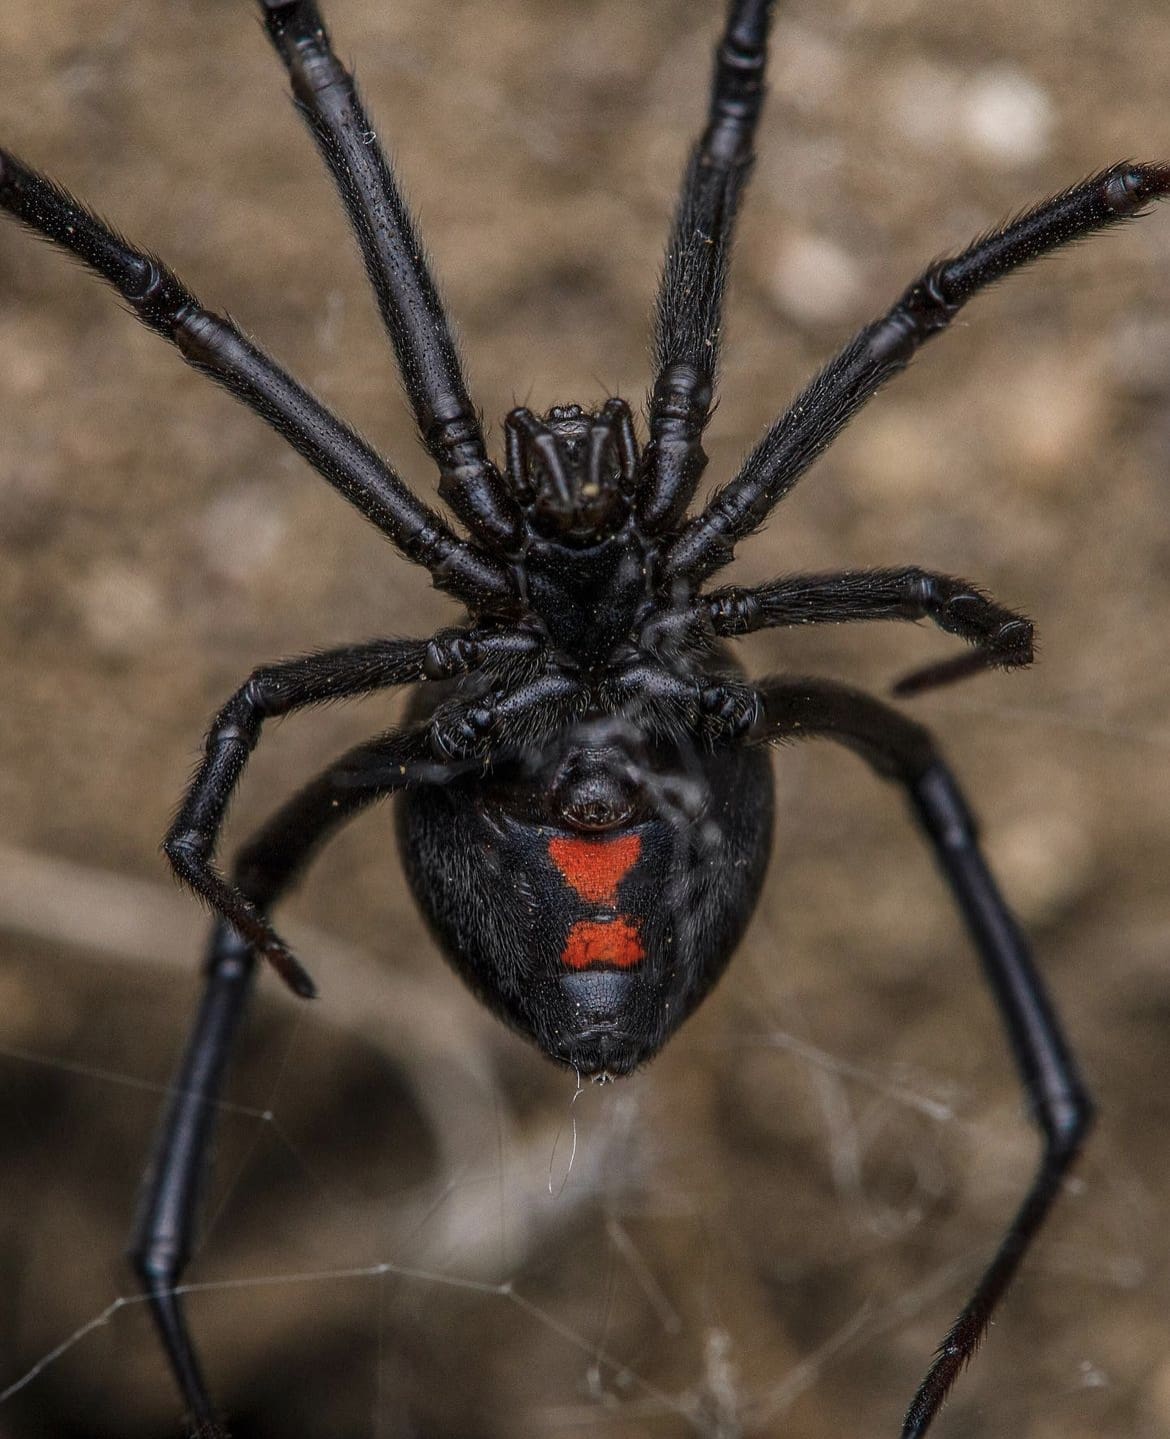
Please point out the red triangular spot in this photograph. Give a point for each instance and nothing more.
(594, 867)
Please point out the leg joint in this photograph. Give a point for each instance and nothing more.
(186, 849)
(157, 1264)
(1066, 1122)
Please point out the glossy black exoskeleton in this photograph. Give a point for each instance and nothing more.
(600, 979)
(592, 886)
(586, 802)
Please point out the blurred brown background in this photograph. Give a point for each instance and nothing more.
(768, 1230)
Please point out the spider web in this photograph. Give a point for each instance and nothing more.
(414, 1225)
(764, 1232)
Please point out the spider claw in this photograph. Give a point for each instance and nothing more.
(290, 969)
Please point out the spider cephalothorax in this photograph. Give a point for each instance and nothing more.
(586, 808)
(581, 567)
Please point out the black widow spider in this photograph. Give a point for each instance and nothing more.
(586, 805)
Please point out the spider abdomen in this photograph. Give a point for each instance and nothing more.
(596, 944)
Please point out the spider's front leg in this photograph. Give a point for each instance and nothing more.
(689, 309)
(218, 348)
(706, 542)
(395, 262)
(279, 690)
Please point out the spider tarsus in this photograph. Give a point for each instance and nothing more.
(1006, 645)
(289, 968)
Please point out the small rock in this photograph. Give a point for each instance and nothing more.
(1006, 118)
(816, 281)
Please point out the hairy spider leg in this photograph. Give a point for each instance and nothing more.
(165, 1227)
(707, 541)
(396, 264)
(672, 703)
(1001, 638)
(280, 689)
(902, 751)
(689, 309)
(211, 343)
(271, 691)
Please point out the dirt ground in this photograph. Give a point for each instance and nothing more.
(411, 1229)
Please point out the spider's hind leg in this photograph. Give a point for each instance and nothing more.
(165, 1228)
(160, 1244)
(904, 752)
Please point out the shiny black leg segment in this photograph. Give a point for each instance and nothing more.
(904, 752)
(395, 262)
(214, 345)
(882, 349)
(1001, 638)
(168, 1209)
(689, 313)
(1060, 1104)
(270, 691)
(278, 854)
(267, 867)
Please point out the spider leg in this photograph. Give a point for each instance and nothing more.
(270, 691)
(706, 542)
(690, 298)
(280, 689)
(1002, 639)
(904, 752)
(268, 865)
(507, 721)
(214, 345)
(395, 262)
(160, 1244)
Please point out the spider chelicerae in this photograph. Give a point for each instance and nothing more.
(586, 806)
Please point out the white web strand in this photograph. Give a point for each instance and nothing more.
(67, 904)
(29, 878)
